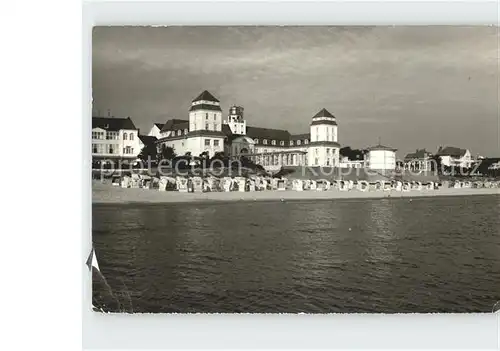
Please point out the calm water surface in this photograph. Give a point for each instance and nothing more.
(437, 254)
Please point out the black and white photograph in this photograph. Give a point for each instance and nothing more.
(295, 169)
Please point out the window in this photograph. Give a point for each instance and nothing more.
(265, 150)
(215, 116)
(94, 148)
(98, 135)
(111, 136)
(273, 142)
(328, 151)
(291, 143)
(256, 141)
(316, 151)
(207, 142)
(327, 161)
(264, 141)
(127, 150)
(216, 142)
(206, 126)
(282, 143)
(185, 131)
(179, 132)
(131, 136)
(306, 141)
(206, 116)
(298, 142)
(124, 136)
(111, 149)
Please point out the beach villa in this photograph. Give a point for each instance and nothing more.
(114, 138)
(420, 160)
(455, 157)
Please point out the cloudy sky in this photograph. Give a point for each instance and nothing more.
(413, 87)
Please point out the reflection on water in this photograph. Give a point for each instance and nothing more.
(377, 255)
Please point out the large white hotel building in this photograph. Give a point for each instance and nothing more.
(207, 130)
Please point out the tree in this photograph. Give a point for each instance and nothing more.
(352, 154)
(221, 158)
(148, 152)
(167, 153)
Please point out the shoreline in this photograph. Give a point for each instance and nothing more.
(108, 194)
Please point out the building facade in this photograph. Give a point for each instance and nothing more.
(420, 160)
(114, 138)
(207, 132)
(455, 157)
(381, 157)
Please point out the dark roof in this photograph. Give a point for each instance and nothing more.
(418, 154)
(113, 123)
(171, 122)
(159, 125)
(206, 96)
(267, 133)
(451, 151)
(147, 139)
(205, 107)
(324, 113)
(324, 121)
(381, 147)
(227, 130)
(300, 136)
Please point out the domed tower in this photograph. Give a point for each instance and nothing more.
(205, 113)
(235, 120)
(323, 149)
(205, 125)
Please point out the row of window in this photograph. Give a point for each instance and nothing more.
(111, 149)
(208, 142)
(215, 117)
(282, 143)
(105, 148)
(285, 160)
(111, 136)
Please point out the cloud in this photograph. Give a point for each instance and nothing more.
(403, 77)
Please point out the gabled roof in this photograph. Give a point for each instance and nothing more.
(113, 124)
(418, 154)
(451, 151)
(226, 129)
(169, 125)
(159, 125)
(323, 113)
(206, 96)
(148, 139)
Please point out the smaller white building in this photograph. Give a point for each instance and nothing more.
(455, 157)
(381, 157)
(114, 138)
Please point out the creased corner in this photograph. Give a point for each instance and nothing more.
(496, 307)
(92, 261)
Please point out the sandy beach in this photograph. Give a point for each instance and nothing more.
(106, 193)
